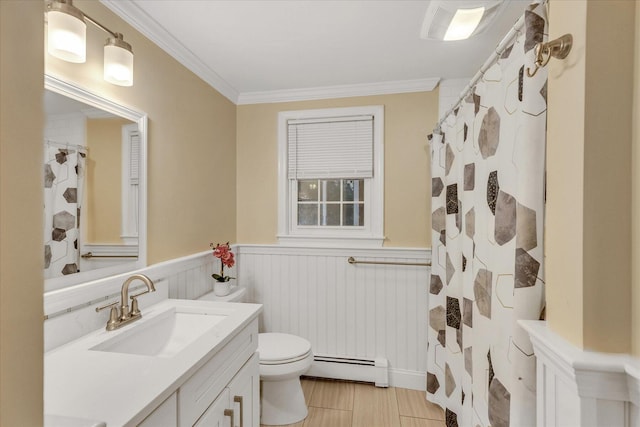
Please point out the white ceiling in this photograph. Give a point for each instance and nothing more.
(279, 50)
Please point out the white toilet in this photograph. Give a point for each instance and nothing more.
(283, 358)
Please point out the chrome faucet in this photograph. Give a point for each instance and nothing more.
(123, 316)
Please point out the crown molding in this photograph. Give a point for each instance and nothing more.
(341, 91)
(141, 21)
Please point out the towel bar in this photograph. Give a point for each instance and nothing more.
(90, 255)
(352, 260)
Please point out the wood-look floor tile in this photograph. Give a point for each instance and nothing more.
(322, 417)
(420, 422)
(375, 407)
(413, 403)
(307, 388)
(332, 395)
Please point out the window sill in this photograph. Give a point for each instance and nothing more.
(330, 241)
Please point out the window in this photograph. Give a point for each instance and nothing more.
(331, 203)
(331, 176)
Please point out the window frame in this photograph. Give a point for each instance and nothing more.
(371, 234)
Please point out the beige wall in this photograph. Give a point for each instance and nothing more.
(588, 244)
(635, 251)
(409, 118)
(102, 208)
(21, 192)
(191, 140)
(563, 231)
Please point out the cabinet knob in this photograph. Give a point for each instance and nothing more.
(229, 413)
(238, 399)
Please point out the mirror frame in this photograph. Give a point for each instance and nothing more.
(72, 91)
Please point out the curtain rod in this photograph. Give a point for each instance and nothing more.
(498, 51)
(66, 145)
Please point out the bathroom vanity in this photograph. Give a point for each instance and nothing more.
(185, 363)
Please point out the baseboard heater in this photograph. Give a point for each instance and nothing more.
(346, 368)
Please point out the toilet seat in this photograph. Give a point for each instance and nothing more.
(279, 349)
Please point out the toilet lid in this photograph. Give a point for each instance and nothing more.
(275, 347)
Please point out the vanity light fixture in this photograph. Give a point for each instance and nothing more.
(458, 20)
(66, 32)
(66, 40)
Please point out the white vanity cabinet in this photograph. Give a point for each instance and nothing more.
(238, 405)
(228, 371)
(165, 415)
(226, 387)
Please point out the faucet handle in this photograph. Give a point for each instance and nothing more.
(112, 304)
(113, 314)
(135, 311)
(132, 297)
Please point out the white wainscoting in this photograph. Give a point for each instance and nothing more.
(582, 388)
(350, 311)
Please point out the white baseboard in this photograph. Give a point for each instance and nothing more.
(408, 379)
(395, 377)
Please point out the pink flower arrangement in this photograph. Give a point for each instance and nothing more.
(226, 259)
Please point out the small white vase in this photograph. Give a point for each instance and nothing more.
(221, 289)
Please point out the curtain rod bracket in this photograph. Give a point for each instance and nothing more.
(558, 48)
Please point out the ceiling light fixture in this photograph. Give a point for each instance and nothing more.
(458, 20)
(463, 24)
(67, 40)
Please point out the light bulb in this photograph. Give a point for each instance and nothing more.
(118, 62)
(66, 33)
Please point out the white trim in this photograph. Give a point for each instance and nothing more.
(331, 241)
(382, 376)
(374, 204)
(80, 94)
(595, 381)
(338, 91)
(413, 380)
(386, 252)
(141, 21)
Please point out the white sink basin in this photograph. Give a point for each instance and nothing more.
(163, 335)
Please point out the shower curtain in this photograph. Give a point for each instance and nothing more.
(63, 184)
(487, 220)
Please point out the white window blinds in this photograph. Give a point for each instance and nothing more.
(134, 157)
(339, 147)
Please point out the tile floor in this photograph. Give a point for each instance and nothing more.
(346, 404)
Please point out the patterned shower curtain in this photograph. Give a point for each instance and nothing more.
(63, 184)
(487, 217)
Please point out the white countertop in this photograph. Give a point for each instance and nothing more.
(122, 389)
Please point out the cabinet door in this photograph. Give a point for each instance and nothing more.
(244, 392)
(217, 414)
(165, 415)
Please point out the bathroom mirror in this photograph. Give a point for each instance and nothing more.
(94, 186)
